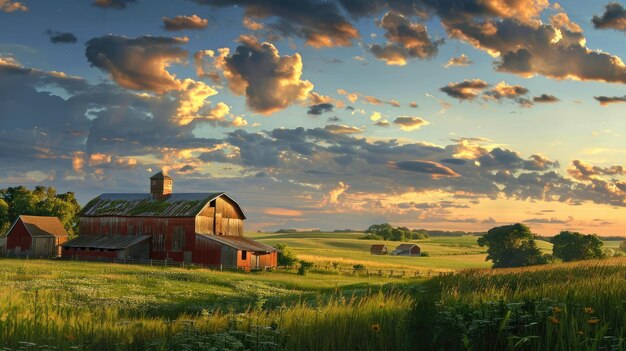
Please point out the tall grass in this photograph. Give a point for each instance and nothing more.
(90, 306)
(578, 306)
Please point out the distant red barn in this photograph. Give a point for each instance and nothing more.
(198, 228)
(378, 249)
(407, 250)
(36, 236)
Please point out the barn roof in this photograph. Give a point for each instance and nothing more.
(112, 242)
(143, 205)
(377, 247)
(240, 243)
(405, 247)
(42, 226)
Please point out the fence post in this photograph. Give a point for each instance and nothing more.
(220, 266)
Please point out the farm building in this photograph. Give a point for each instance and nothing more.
(378, 250)
(407, 250)
(36, 236)
(201, 228)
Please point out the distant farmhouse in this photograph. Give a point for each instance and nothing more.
(378, 250)
(201, 228)
(407, 250)
(35, 236)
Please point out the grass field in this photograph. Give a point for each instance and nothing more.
(445, 253)
(60, 305)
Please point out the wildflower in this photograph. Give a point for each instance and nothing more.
(381, 305)
(593, 321)
(556, 309)
(70, 337)
(376, 327)
(554, 320)
(588, 310)
(580, 332)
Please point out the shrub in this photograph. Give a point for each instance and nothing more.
(424, 254)
(286, 257)
(358, 268)
(304, 267)
(372, 237)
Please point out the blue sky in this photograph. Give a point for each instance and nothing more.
(137, 105)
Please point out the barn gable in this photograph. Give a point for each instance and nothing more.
(41, 226)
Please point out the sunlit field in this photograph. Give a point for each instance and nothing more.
(60, 305)
(445, 253)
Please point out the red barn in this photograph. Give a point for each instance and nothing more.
(407, 250)
(202, 228)
(36, 236)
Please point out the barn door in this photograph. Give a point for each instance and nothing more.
(218, 224)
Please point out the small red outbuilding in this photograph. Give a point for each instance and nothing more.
(36, 236)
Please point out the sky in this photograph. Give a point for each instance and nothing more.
(337, 114)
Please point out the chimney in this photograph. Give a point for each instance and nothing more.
(160, 186)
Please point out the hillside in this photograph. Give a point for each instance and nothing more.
(445, 253)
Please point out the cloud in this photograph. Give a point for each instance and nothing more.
(251, 24)
(459, 61)
(503, 90)
(61, 38)
(606, 100)
(410, 123)
(561, 20)
(342, 129)
(332, 197)
(551, 220)
(138, 64)
(429, 167)
(283, 212)
(405, 40)
(465, 90)
(269, 81)
(581, 170)
(383, 123)
(320, 109)
(545, 98)
(413, 104)
(12, 6)
(185, 22)
(321, 24)
(614, 17)
(114, 4)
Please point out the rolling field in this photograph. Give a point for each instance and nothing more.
(60, 305)
(445, 253)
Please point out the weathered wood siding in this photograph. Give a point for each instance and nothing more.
(171, 236)
(228, 217)
(205, 221)
(18, 239)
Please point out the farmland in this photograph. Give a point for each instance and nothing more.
(61, 305)
(445, 253)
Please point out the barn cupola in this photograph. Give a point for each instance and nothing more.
(160, 186)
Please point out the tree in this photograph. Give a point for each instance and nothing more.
(622, 246)
(286, 257)
(42, 201)
(383, 230)
(511, 246)
(569, 246)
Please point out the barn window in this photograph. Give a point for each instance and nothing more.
(244, 255)
(179, 239)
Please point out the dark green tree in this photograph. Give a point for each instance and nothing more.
(570, 246)
(383, 230)
(511, 246)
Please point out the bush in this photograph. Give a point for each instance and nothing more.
(304, 267)
(358, 268)
(286, 257)
(372, 237)
(424, 254)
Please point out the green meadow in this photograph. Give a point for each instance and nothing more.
(460, 305)
(347, 249)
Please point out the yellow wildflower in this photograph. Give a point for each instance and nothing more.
(588, 310)
(376, 327)
(556, 309)
(593, 321)
(554, 320)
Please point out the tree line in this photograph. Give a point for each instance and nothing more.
(41, 201)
